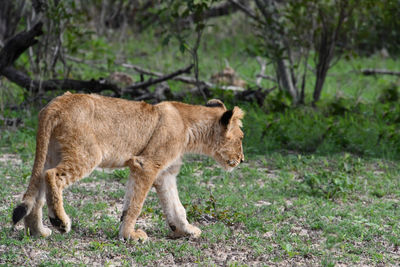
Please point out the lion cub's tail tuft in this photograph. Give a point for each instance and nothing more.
(19, 212)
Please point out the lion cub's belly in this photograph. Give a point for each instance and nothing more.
(113, 163)
(115, 160)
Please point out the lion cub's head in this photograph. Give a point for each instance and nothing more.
(228, 150)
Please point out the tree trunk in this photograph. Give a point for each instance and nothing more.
(322, 71)
(285, 80)
(326, 47)
(10, 15)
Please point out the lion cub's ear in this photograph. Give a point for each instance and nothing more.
(231, 117)
(215, 103)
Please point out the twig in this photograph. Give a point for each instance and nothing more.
(247, 11)
(142, 70)
(379, 71)
(85, 61)
(195, 55)
(267, 77)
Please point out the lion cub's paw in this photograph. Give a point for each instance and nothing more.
(62, 226)
(43, 231)
(136, 235)
(189, 230)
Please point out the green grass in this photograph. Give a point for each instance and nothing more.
(266, 211)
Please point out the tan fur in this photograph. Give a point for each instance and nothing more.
(79, 132)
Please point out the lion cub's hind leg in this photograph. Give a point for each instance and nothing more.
(57, 179)
(34, 221)
(175, 212)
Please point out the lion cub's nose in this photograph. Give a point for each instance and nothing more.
(241, 160)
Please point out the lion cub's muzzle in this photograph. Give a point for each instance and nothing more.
(234, 162)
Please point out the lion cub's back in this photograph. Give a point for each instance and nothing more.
(120, 127)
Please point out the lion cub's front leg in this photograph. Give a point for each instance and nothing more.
(143, 174)
(175, 212)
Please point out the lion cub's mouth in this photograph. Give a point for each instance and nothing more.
(232, 163)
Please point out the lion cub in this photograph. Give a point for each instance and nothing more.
(79, 132)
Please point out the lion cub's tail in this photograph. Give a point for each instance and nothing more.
(47, 122)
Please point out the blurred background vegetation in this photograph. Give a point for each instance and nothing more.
(313, 76)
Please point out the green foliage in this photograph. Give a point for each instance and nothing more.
(377, 27)
(277, 102)
(289, 32)
(389, 94)
(172, 16)
(20, 140)
(10, 95)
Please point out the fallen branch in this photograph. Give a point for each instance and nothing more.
(368, 72)
(23, 80)
(184, 79)
(21, 42)
(159, 80)
(254, 95)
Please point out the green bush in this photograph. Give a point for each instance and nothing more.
(370, 130)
